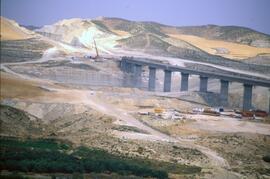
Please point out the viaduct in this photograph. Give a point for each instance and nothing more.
(134, 66)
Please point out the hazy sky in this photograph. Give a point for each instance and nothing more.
(249, 13)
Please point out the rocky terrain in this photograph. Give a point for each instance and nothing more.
(23, 50)
(111, 33)
(58, 98)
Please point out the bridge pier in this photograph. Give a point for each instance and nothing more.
(152, 79)
(203, 83)
(184, 82)
(269, 101)
(167, 80)
(133, 66)
(224, 91)
(247, 97)
(126, 66)
(137, 75)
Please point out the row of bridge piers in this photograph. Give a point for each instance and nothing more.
(136, 71)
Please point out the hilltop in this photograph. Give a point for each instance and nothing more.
(150, 37)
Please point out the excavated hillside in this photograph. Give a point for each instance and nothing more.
(236, 43)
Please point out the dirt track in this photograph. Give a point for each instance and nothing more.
(57, 94)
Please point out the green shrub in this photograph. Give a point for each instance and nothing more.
(47, 156)
(266, 158)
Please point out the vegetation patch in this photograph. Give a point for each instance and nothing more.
(52, 156)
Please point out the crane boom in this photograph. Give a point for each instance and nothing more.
(97, 55)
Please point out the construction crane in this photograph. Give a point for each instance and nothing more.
(97, 55)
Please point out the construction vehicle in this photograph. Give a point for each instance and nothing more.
(159, 110)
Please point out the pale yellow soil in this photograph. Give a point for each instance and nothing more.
(11, 32)
(18, 88)
(235, 51)
(120, 32)
(13, 87)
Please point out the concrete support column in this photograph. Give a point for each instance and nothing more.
(203, 83)
(269, 101)
(184, 82)
(167, 80)
(224, 92)
(137, 75)
(247, 97)
(152, 79)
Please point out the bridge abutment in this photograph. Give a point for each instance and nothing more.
(123, 65)
(184, 82)
(128, 67)
(167, 80)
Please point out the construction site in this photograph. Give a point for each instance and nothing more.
(209, 121)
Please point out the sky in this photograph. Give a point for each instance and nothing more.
(254, 14)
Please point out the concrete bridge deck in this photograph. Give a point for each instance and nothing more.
(134, 66)
(251, 80)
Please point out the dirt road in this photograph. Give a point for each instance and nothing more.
(88, 98)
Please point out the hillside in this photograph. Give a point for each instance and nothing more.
(154, 44)
(234, 34)
(112, 34)
(222, 48)
(79, 32)
(26, 125)
(10, 30)
(23, 50)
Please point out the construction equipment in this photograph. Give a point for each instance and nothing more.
(97, 55)
(159, 110)
(253, 113)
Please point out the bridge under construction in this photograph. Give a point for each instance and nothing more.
(134, 66)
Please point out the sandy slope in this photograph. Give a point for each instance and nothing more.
(10, 30)
(14, 87)
(83, 32)
(233, 50)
